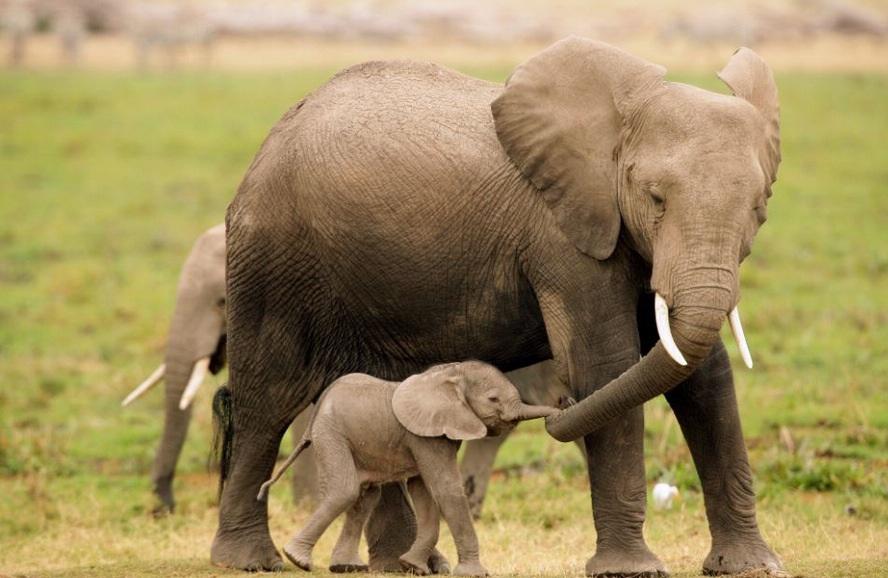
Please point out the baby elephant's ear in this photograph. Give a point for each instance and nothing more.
(433, 404)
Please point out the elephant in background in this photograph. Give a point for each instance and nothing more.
(587, 211)
(195, 347)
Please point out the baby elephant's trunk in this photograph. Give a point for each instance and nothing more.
(525, 411)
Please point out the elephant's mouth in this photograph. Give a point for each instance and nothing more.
(219, 357)
(661, 314)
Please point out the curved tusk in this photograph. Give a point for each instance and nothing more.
(201, 368)
(739, 336)
(661, 312)
(144, 386)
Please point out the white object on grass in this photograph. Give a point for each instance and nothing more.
(663, 494)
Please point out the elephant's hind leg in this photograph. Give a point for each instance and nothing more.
(345, 557)
(273, 376)
(340, 489)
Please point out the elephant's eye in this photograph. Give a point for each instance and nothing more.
(654, 191)
(220, 303)
(493, 398)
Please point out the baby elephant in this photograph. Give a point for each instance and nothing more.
(367, 432)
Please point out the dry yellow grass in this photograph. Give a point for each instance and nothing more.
(521, 534)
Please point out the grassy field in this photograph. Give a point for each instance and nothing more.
(107, 178)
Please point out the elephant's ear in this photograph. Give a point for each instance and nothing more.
(750, 78)
(433, 404)
(559, 120)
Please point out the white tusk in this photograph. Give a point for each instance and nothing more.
(661, 312)
(739, 336)
(144, 386)
(201, 368)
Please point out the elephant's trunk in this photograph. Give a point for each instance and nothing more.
(700, 308)
(524, 411)
(175, 429)
(187, 364)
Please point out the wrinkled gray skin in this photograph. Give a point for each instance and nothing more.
(197, 324)
(367, 432)
(404, 214)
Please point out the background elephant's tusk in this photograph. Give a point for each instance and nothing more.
(145, 385)
(201, 368)
(661, 312)
(739, 336)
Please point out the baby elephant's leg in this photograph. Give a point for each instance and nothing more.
(437, 465)
(345, 557)
(340, 489)
(416, 560)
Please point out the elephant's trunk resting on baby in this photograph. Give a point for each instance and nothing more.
(404, 214)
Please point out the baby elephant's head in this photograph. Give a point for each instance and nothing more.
(462, 401)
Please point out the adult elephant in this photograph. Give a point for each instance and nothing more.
(404, 214)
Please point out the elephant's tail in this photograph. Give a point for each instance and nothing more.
(223, 432)
(263, 490)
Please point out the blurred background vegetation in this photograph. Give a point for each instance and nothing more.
(126, 127)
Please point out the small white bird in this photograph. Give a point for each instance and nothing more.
(663, 494)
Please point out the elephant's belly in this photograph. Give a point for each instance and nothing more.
(391, 466)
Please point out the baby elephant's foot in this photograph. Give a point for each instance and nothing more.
(299, 554)
(415, 563)
(473, 568)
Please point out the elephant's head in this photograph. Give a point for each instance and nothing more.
(196, 341)
(462, 401)
(195, 347)
(680, 174)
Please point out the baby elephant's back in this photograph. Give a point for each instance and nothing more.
(359, 407)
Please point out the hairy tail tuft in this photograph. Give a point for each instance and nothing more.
(223, 432)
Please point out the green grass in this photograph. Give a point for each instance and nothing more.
(106, 180)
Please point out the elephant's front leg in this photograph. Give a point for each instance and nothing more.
(706, 408)
(594, 338)
(617, 478)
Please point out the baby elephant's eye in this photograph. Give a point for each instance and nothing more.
(493, 398)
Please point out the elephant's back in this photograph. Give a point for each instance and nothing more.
(391, 100)
(381, 127)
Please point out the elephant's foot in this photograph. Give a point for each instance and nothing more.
(470, 568)
(343, 564)
(245, 550)
(299, 553)
(415, 563)
(381, 564)
(640, 562)
(741, 557)
(348, 568)
(438, 563)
